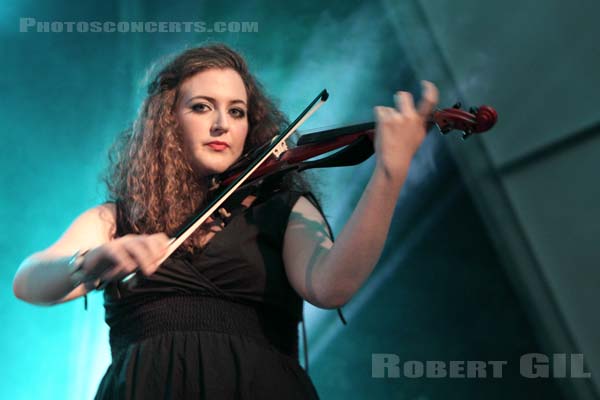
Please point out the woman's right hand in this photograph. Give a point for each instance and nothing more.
(122, 256)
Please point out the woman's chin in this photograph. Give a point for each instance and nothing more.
(213, 169)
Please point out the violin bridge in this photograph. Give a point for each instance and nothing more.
(280, 149)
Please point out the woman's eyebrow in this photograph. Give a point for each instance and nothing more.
(212, 100)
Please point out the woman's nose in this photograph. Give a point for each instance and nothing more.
(221, 122)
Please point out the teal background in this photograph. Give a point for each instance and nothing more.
(445, 287)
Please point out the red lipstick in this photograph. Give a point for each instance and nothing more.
(217, 145)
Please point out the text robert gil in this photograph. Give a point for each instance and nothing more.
(531, 365)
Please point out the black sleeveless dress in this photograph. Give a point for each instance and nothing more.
(220, 324)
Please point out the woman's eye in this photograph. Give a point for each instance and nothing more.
(238, 113)
(199, 107)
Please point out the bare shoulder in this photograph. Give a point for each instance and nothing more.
(304, 210)
(306, 244)
(91, 228)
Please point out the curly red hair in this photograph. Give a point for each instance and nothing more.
(148, 177)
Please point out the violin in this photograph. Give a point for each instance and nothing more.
(355, 144)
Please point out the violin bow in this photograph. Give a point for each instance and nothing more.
(275, 147)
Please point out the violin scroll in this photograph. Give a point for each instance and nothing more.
(477, 120)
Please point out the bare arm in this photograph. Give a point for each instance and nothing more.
(328, 274)
(44, 277)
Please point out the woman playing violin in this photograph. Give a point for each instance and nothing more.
(218, 318)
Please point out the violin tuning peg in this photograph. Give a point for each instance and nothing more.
(458, 105)
(214, 184)
(474, 110)
(224, 213)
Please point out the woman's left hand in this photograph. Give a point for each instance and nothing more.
(401, 130)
